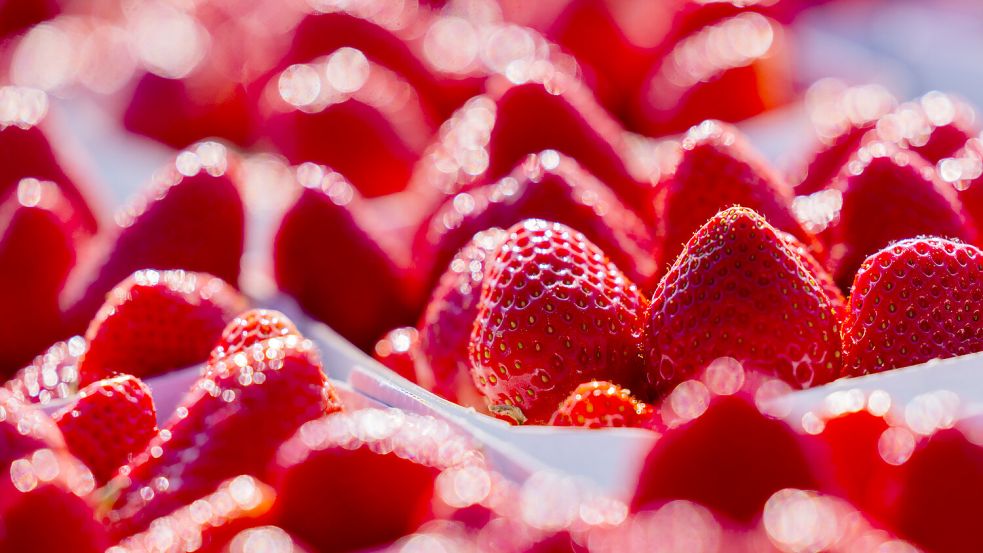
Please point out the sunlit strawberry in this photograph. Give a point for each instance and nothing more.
(399, 350)
(601, 404)
(249, 328)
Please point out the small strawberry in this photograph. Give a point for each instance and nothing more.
(964, 171)
(52, 376)
(734, 291)
(554, 312)
(445, 329)
(550, 186)
(229, 423)
(913, 301)
(110, 421)
(888, 194)
(716, 168)
(192, 219)
(249, 328)
(601, 404)
(340, 273)
(157, 321)
(399, 350)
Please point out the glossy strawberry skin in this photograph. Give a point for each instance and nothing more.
(553, 313)
(601, 404)
(715, 169)
(230, 422)
(110, 421)
(250, 328)
(445, 328)
(916, 300)
(732, 293)
(158, 321)
(888, 194)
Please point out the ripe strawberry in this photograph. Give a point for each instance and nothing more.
(733, 292)
(935, 126)
(52, 376)
(817, 270)
(553, 313)
(230, 423)
(731, 459)
(110, 421)
(157, 321)
(913, 301)
(715, 169)
(37, 251)
(357, 480)
(249, 328)
(964, 171)
(338, 272)
(888, 194)
(445, 329)
(601, 404)
(399, 350)
(192, 220)
(549, 186)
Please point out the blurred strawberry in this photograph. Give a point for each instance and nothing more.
(154, 322)
(601, 404)
(110, 421)
(399, 350)
(229, 423)
(191, 218)
(731, 293)
(554, 312)
(37, 251)
(52, 376)
(964, 171)
(888, 194)
(715, 168)
(249, 328)
(445, 328)
(17, 16)
(336, 270)
(935, 125)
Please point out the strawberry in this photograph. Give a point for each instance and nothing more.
(357, 480)
(17, 16)
(550, 186)
(337, 271)
(731, 459)
(37, 251)
(964, 171)
(554, 312)
(888, 194)
(731, 293)
(110, 421)
(715, 168)
(817, 270)
(601, 404)
(399, 350)
(250, 328)
(229, 423)
(445, 328)
(192, 219)
(916, 300)
(52, 376)
(157, 321)
(935, 126)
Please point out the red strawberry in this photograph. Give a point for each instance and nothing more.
(732, 458)
(357, 480)
(37, 251)
(549, 186)
(399, 350)
(964, 171)
(192, 220)
(715, 169)
(888, 194)
(52, 376)
(110, 421)
(42, 487)
(445, 329)
(553, 313)
(249, 328)
(935, 126)
(913, 301)
(157, 321)
(230, 423)
(733, 292)
(18, 16)
(816, 269)
(325, 258)
(601, 404)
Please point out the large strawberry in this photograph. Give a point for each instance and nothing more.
(230, 423)
(554, 312)
(445, 329)
(888, 194)
(550, 186)
(598, 404)
(737, 290)
(37, 251)
(110, 421)
(157, 321)
(340, 273)
(716, 168)
(913, 301)
(191, 218)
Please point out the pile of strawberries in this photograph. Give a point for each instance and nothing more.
(542, 212)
